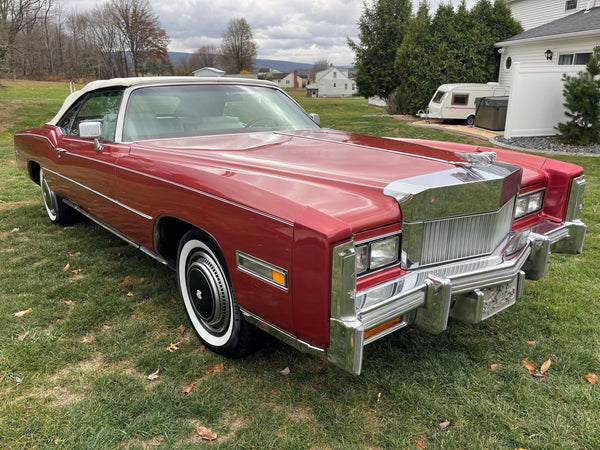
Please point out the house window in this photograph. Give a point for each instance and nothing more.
(508, 63)
(581, 59)
(334, 84)
(565, 60)
(578, 59)
(570, 5)
(460, 99)
(345, 86)
(334, 75)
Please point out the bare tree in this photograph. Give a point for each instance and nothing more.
(141, 30)
(321, 64)
(16, 16)
(238, 46)
(205, 56)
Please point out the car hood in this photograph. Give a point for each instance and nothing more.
(340, 174)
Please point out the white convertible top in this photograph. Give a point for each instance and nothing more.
(135, 81)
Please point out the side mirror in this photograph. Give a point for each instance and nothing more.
(315, 118)
(90, 130)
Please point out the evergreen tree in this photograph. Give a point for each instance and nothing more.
(381, 31)
(582, 101)
(415, 63)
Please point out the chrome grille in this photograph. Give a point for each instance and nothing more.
(456, 238)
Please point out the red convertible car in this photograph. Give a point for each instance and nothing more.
(326, 239)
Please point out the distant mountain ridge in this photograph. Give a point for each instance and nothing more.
(282, 66)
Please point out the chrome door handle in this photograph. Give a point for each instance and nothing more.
(60, 151)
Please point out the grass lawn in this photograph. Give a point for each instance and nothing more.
(100, 316)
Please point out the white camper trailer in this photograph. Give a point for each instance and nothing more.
(457, 100)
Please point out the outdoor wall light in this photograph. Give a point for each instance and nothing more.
(548, 54)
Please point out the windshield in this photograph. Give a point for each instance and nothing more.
(206, 109)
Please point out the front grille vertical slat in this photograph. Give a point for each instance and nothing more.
(456, 238)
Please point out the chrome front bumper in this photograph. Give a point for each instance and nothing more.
(465, 290)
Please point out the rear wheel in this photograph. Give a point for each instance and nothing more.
(470, 120)
(209, 300)
(58, 212)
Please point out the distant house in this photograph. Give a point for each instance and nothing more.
(208, 72)
(559, 39)
(289, 80)
(212, 72)
(332, 82)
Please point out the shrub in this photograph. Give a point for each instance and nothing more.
(582, 101)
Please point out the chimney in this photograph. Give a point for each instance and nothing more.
(296, 85)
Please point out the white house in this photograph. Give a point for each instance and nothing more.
(332, 82)
(559, 39)
(289, 80)
(208, 72)
(212, 72)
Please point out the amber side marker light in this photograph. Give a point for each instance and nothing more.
(384, 326)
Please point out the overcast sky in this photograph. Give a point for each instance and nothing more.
(292, 30)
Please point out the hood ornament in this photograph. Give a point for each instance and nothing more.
(478, 159)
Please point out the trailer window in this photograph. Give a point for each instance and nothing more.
(460, 99)
(437, 98)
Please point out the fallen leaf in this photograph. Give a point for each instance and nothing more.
(67, 302)
(14, 230)
(22, 313)
(18, 380)
(591, 378)
(172, 347)
(72, 253)
(181, 329)
(66, 267)
(76, 271)
(188, 389)
(285, 372)
(378, 397)
(23, 336)
(420, 444)
(532, 342)
(443, 426)
(105, 327)
(154, 375)
(116, 255)
(86, 339)
(206, 433)
(130, 294)
(526, 362)
(173, 300)
(495, 366)
(202, 348)
(217, 368)
(545, 366)
(412, 331)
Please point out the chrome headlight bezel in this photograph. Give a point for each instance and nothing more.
(529, 203)
(377, 253)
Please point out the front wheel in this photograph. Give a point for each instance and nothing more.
(209, 300)
(58, 212)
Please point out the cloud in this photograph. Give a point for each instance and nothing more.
(294, 30)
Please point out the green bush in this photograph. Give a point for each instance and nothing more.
(582, 100)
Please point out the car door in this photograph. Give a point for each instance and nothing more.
(85, 169)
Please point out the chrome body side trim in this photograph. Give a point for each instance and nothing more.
(117, 233)
(110, 199)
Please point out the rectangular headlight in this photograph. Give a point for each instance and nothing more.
(529, 203)
(377, 254)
